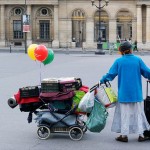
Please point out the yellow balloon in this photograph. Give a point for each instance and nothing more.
(31, 49)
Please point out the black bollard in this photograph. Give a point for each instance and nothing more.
(10, 48)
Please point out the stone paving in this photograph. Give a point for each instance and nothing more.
(18, 70)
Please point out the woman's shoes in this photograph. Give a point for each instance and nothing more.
(122, 139)
(125, 139)
(142, 139)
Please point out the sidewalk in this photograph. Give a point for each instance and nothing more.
(57, 50)
(69, 50)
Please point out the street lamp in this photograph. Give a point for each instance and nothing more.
(99, 41)
(25, 33)
(25, 24)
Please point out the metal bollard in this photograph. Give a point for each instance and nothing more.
(10, 48)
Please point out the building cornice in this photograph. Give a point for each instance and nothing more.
(143, 2)
(29, 2)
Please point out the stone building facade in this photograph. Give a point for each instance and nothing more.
(74, 23)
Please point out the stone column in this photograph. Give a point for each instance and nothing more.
(55, 42)
(69, 33)
(134, 29)
(29, 34)
(139, 24)
(2, 25)
(112, 30)
(89, 33)
(148, 24)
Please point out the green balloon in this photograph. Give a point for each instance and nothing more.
(49, 58)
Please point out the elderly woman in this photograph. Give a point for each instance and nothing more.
(129, 116)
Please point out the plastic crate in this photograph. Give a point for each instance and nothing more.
(29, 91)
(49, 87)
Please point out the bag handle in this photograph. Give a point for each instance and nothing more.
(107, 84)
(94, 87)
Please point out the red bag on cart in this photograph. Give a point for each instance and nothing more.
(25, 100)
(84, 88)
(27, 104)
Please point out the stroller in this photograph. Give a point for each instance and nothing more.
(55, 110)
(51, 121)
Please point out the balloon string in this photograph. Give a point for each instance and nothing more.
(40, 73)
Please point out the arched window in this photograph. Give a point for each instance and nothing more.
(16, 14)
(124, 25)
(78, 27)
(101, 26)
(44, 20)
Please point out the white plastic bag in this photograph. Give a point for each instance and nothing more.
(106, 95)
(87, 102)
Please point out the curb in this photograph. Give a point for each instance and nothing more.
(68, 51)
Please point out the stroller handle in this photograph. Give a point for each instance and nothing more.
(107, 84)
(72, 110)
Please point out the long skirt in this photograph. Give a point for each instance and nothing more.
(130, 118)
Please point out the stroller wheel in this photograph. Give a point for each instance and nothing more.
(43, 132)
(76, 133)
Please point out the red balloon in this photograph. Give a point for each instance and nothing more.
(41, 52)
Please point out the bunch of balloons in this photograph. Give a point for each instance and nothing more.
(40, 53)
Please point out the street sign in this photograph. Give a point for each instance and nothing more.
(26, 28)
(26, 23)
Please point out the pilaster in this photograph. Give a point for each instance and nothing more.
(89, 33)
(69, 33)
(112, 30)
(148, 24)
(139, 24)
(134, 30)
(2, 25)
(55, 42)
(29, 34)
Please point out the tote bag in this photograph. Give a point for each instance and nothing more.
(106, 95)
(97, 120)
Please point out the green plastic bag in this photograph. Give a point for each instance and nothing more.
(77, 98)
(97, 120)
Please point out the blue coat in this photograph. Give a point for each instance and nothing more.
(129, 69)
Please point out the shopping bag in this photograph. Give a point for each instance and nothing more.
(87, 102)
(106, 95)
(97, 120)
(111, 95)
(77, 98)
